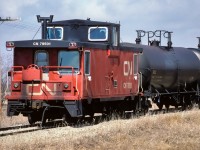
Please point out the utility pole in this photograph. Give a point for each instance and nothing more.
(8, 19)
(2, 21)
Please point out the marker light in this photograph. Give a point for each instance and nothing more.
(16, 85)
(72, 45)
(66, 86)
(10, 45)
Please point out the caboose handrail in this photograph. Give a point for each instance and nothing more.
(10, 73)
(14, 67)
(18, 67)
(65, 67)
(59, 67)
(7, 84)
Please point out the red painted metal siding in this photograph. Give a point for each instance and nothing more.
(105, 70)
(111, 75)
(23, 57)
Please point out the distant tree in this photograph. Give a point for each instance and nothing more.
(5, 64)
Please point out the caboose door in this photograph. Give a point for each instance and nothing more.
(87, 78)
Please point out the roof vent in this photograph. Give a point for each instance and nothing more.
(154, 43)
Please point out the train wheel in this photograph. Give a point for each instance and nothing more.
(183, 107)
(91, 118)
(32, 118)
(199, 103)
(191, 104)
(160, 106)
(167, 107)
(44, 120)
(44, 117)
(68, 120)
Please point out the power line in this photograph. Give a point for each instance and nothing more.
(22, 25)
(36, 33)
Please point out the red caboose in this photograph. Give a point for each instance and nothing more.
(78, 68)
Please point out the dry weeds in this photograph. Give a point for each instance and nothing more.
(162, 132)
(11, 121)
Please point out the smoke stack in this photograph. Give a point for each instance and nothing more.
(44, 21)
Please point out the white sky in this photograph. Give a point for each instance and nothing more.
(180, 16)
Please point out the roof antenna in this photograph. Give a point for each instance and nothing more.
(44, 21)
(199, 42)
(169, 37)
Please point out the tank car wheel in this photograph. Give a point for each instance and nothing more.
(145, 111)
(91, 119)
(191, 104)
(167, 107)
(184, 106)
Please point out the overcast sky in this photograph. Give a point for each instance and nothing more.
(180, 16)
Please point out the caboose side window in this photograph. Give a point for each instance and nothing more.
(55, 33)
(98, 34)
(70, 59)
(87, 62)
(135, 64)
(115, 36)
(41, 58)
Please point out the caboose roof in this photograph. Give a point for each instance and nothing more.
(82, 22)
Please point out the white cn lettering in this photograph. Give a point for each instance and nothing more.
(35, 43)
(43, 86)
(128, 68)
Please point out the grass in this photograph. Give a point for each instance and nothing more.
(159, 132)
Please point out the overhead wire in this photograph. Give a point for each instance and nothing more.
(2, 22)
(36, 32)
(22, 25)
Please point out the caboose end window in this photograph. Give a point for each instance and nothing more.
(98, 34)
(69, 59)
(41, 58)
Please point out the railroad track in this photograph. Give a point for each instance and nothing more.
(28, 128)
(97, 119)
(17, 127)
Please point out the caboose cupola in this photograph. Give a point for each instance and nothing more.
(85, 31)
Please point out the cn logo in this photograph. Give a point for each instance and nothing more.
(43, 87)
(128, 68)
